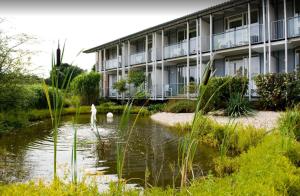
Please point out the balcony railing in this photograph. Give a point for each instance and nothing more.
(193, 45)
(137, 58)
(293, 26)
(111, 63)
(233, 38)
(176, 50)
(205, 42)
(277, 30)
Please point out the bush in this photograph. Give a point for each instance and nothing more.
(223, 87)
(136, 78)
(289, 123)
(182, 106)
(279, 90)
(120, 86)
(11, 120)
(86, 85)
(237, 105)
(158, 107)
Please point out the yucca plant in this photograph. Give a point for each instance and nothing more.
(238, 106)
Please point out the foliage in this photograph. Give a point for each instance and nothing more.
(12, 120)
(87, 86)
(62, 71)
(279, 90)
(237, 105)
(120, 86)
(136, 78)
(289, 123)
(240, 138)
(182, 106)
(219, 90)
(158, 107)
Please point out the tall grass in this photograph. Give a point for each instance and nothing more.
(56, 102)
(74, 146)
(189, 143)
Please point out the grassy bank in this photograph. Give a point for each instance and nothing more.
(266, 169)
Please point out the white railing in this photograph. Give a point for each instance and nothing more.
(277, 30)
(176, 50)
(293, 26)
(256, 33)
(232, 38)
(111, 63)
(137, 58)
(205, 42)
(193, 45)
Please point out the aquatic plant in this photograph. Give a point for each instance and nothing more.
(56, 108)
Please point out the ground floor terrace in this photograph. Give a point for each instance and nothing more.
(178, 78)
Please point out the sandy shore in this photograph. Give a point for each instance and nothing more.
(261, 119)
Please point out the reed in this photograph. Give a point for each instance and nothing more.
(56, 104)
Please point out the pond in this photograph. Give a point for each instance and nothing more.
(28, 154)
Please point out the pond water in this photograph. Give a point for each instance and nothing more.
(28, 154)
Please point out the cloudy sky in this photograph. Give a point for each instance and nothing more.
(85, 24)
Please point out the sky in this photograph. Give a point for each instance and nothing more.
(85, 24)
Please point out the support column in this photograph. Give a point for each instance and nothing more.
(197, 49)
(200, 52)
(211, 34)
(100, 65)
(285, 38)
(162, 65)
(117, 67)
(154, 66)
(104, 75)
(124, 61)
(264, 36)
(269, 37)
(250, 52)
(128, 47)
(188, 60)
(146, 61)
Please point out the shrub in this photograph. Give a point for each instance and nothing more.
(237, 105)
(11, 120)
(289, 123)
(136, 78)
(182, 106)
(220, 89)
(120, 86)
(87, 86)
(279, 90)
(158, 107)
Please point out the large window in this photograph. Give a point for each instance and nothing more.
(240, 20)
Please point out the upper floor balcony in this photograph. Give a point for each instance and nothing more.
(137, 58)
(175, 50)
(111, 63)
(238, 37)
(293, 26)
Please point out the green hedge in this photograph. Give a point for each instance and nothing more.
(278, 90)
(223, 87)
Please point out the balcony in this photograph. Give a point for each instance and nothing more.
(238, 37)
(277, 30)
(293, 25)
(230, 39)
(137, 58)
(176, 50)
(111, 63)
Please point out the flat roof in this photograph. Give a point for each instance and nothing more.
(204, 12)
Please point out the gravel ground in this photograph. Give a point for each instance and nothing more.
(261, 119)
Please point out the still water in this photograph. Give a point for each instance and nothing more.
(28, 154)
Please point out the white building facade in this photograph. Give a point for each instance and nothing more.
(246, 38)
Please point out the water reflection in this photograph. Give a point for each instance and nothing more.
(28, 154)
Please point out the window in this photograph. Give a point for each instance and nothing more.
(180, 35)
(240, 20)
(297, 7)
(235, 22)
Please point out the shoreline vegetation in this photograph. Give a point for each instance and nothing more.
(245, 169)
